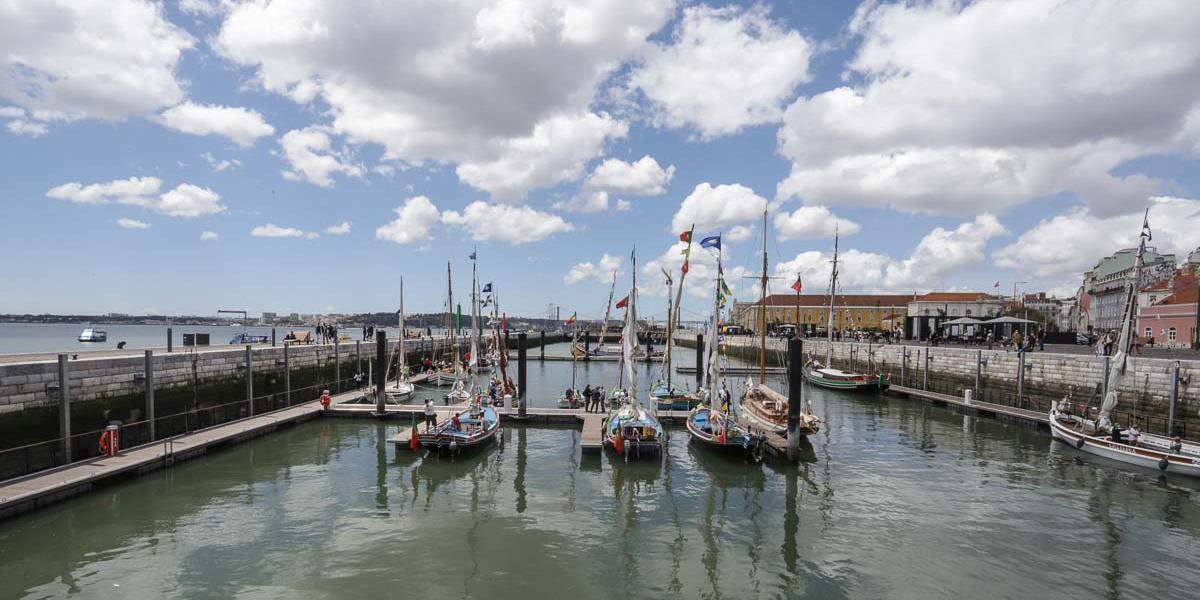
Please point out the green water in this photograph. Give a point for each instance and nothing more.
(893, 499)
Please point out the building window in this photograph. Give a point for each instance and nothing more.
(1149, 333)
(968, 312)
(1171, 334)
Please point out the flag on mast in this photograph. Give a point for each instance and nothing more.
(797, 286)
(711, 242)
(623, 302)
(572, 319)
(686, 237)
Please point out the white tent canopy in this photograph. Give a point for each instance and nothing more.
(1005, 320)
(963, 321)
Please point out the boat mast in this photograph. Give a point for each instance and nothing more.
(400, 317)
(1123, 339)
(762, 313)
(450, 318)
(673, 316)
(474, 311)
(832, 294)
(607, 309)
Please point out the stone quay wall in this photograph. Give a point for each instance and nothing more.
(31, 384)
(1145, 390)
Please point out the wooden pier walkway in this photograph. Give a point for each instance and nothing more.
(1000, 410)
(592, 440)
(46, 487)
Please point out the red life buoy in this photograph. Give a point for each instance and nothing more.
(105, 442)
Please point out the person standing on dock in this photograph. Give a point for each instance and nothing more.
(587, 398)
(325, 400)
(430, 415)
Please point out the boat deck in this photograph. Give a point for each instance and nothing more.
(1000, 410)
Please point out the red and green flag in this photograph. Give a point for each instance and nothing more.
(623, 302)
(686, 237)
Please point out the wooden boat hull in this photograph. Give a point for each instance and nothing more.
(633, 433)
(864, 383)
(440, 378)
(1066, 429)
(445, 441)
(736, 439)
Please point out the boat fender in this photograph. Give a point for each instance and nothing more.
(1080, 442)
(1162, 464)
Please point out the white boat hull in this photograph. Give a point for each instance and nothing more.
(399, 392)
(440, 378)
(1103, 446)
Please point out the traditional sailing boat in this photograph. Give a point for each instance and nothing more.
(601, 349)
(838, 379)
(470, 429)
(452, 373)
(571, 398)
(1100, 436)
(762, 406)
(630, 429)
(476, 362)
(710, 425)
(662, 393)
(402, 389)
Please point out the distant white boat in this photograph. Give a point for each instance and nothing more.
(93, 335)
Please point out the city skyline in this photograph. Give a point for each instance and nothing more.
(285, 158)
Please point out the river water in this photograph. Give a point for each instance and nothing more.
(893, 499)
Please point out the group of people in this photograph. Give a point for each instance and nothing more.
(1024, 343)
(1106, 344)
(368, 332)
(594, 399)
(327, 332)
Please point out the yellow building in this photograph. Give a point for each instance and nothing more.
(810, 312)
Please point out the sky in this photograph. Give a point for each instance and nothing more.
(300, 156)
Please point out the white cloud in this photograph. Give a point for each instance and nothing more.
(600, 272)
(556, 152)
(585, 202)
(187, 200)
(623, 205)
(204, 8)
(504, 89)
(27, 128)
(939, 253)
(310, 153)
(340, 229)
(241, 125)
(125, 223)
(270, 230)
(1072, 242)
(812, 222)
(738, 233)
(311, 235)
(711, 208)
(414, 224)
(701, 277)
(74, 60)
(11, 112)
(957, 107)
(220, 165)
(725, 69)
(134, 190)
(209, 236)
(645, 177)
(500, 222)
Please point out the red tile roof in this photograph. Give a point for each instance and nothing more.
(1185, 295)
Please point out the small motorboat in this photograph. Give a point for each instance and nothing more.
(93, 335)
(631, 431)
(465, 431)
(837, 379)
(719, 431)
(571, 398)
(247, 338)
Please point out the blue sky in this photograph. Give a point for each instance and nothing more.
(953, 144)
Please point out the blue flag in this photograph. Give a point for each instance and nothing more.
(711, 242)
(487, 289)
(472, 256)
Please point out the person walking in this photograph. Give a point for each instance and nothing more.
(587, 398)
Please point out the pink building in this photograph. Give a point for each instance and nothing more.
(1172, 321)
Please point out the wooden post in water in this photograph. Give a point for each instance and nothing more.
(250, 378)
(542, 334)
(925, 371)
(978, 373)
(381, 372)
(1174, 397)
(587, 345)
(521, 381)
(1020, 378)
(170, 340)
(272, 337)
(700, 358)
(903, 364)
(795, 387)
(287, 374)
(358, 356)
(150, 393)
(64, 406)
(337, 365)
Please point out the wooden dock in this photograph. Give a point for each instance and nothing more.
(592, 440)
(976, 406)
(52, 485)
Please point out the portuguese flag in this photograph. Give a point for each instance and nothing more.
(686, 237)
